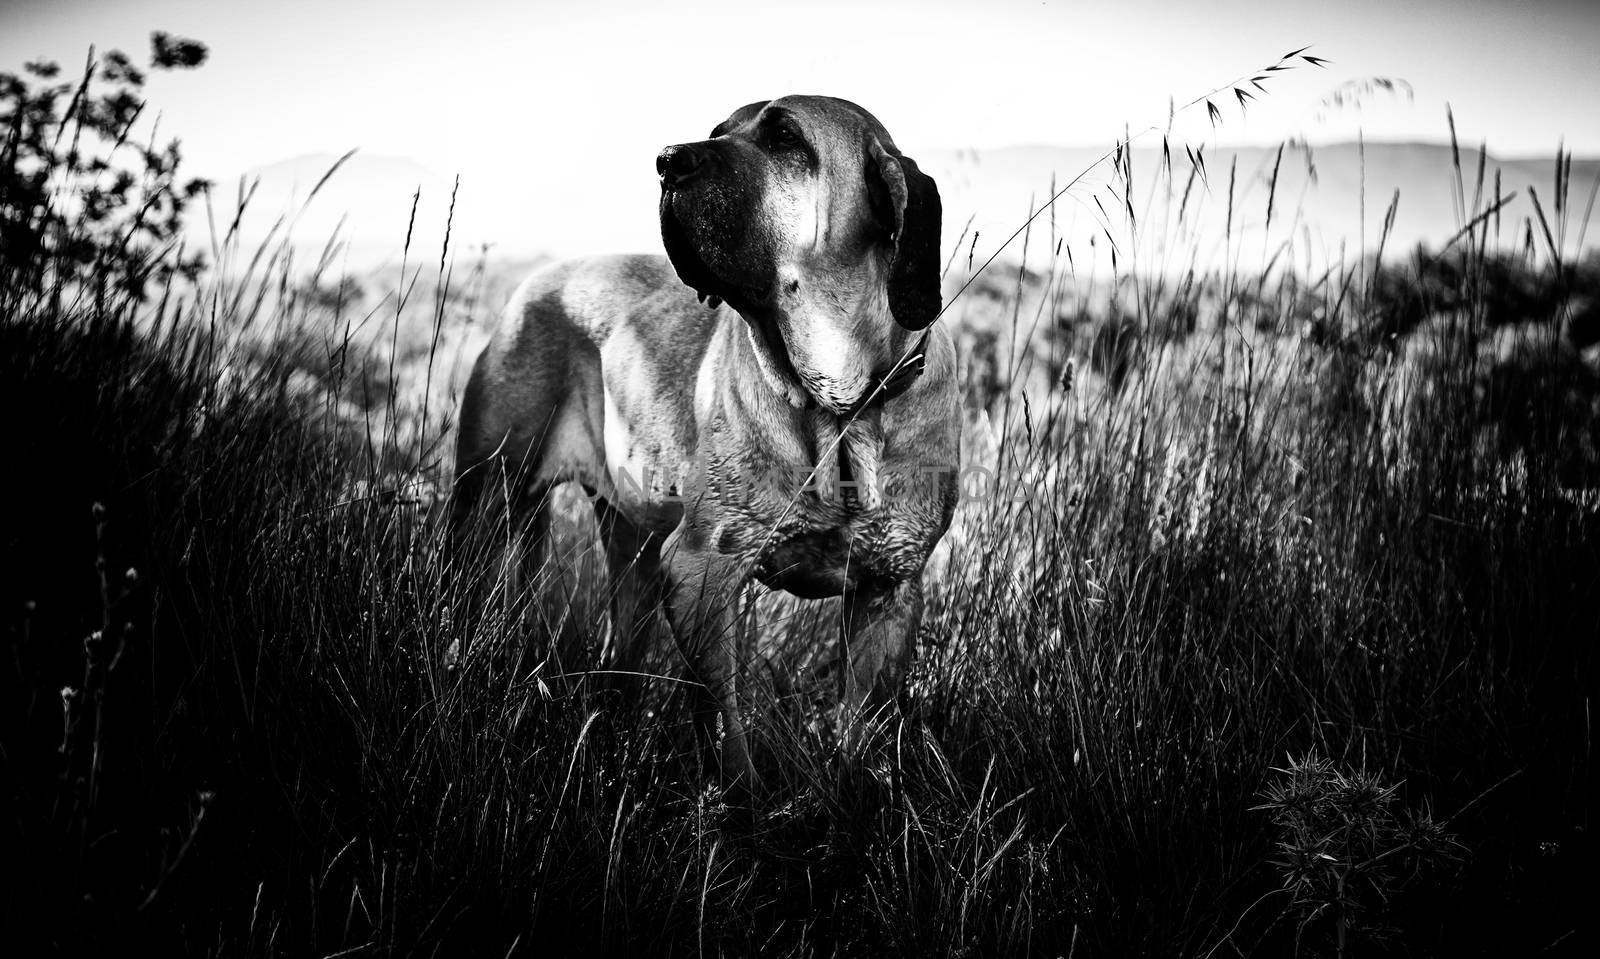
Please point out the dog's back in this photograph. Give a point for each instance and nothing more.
(535, 403)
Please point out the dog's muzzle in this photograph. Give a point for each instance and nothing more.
(706, 208)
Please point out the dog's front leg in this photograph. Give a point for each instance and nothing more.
(703, 588)
(877, 639)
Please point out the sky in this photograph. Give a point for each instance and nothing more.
(561, 107)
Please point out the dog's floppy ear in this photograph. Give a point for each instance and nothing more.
(907, 202)
(739, 118)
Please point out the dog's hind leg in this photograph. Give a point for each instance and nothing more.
(498, 526)
(633, 556)
(530, 562)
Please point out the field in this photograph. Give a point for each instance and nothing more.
(1267, 625)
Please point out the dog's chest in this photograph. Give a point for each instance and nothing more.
(815, 560)
(837, 514)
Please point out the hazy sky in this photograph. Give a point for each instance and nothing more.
(542, 97)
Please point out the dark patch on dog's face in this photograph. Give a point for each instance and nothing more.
(711, 223)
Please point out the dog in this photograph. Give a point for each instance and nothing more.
(770, 400)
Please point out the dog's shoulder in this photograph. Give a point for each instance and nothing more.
(600, 295)
(598, 299)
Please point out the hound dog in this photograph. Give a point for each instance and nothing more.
(769, 400)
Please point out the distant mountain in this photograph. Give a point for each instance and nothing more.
(1327, 197)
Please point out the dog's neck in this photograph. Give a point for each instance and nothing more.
(844, 357)
(765, 339)
(845, 447)
(847, 454)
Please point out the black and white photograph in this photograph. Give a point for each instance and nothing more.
(891, 478)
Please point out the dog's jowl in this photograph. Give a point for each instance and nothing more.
(770, 400)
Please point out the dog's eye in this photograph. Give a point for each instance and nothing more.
(784, 134)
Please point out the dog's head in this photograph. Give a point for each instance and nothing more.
(803, 215)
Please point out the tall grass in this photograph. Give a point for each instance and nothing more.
(1264, 516)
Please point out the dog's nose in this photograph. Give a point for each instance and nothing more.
(677, 165)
